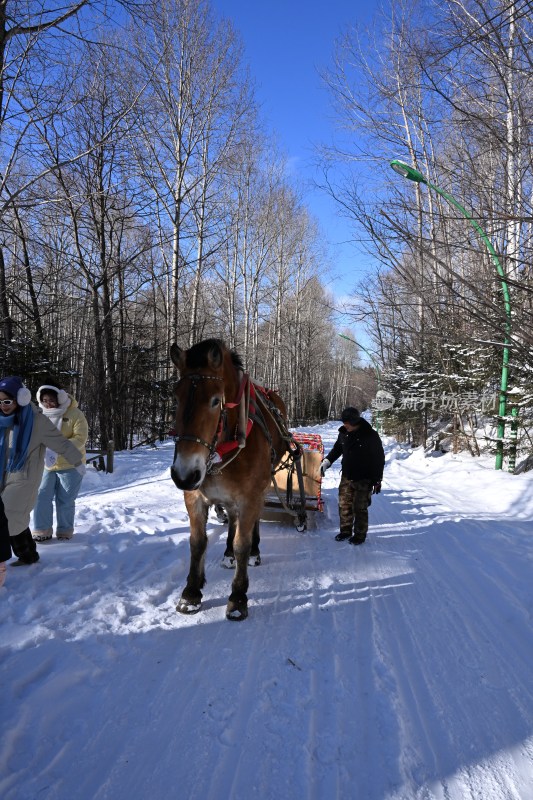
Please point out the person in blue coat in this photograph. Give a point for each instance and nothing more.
(25, 434)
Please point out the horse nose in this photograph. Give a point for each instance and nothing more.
(190, 481)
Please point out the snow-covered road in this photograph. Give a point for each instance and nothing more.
(398, 670)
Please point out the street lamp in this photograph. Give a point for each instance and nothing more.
(376, 368)
(414, 175)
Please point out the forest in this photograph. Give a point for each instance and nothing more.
(448, 92)
(143, 202)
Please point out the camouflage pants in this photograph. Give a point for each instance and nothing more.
(354, 499)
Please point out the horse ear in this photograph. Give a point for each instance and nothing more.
(178, 356)
(214, 357)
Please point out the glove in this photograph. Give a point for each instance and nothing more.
(376, 489)
(81, 469)
(324, 466)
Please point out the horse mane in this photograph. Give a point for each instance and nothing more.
(197, 356)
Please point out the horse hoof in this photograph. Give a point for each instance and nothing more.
(254, 561)
(228, 562)
(236, 613)
(186, 607)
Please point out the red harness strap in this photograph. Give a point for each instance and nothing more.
(242, 386)
(226, 447)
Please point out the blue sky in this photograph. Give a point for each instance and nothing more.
(287, 42)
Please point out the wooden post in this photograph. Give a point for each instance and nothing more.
(110, 453)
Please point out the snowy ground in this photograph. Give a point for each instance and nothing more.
(397, 670)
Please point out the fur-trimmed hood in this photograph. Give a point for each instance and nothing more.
(62, 395)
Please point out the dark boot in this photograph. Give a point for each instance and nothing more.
(342, 536)
(357, 539)
(24, 548)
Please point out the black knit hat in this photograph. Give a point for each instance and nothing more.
(351, 415)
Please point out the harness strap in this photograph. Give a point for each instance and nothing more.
(226, 447)
(247, 404)
(245, 382)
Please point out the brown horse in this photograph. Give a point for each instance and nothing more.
(230, 434)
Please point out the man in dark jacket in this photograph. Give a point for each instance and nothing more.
(363, 461)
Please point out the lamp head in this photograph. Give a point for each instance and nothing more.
(406, 171)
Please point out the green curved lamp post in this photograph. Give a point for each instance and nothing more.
(414, 175)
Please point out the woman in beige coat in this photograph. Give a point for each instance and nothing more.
(61, 482)
(25, 434)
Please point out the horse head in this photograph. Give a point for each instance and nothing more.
(205, 376)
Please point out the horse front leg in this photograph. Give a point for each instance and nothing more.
(191, 598)
(237, 607)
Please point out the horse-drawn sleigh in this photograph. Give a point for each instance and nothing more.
(295, 487)
(231, 436)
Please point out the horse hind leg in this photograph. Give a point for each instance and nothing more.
(254, 560)
(255, 555)
(221, 514)
(228, 559)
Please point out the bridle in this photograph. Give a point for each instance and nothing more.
(195, 378)
(246, 389)
(222, 454)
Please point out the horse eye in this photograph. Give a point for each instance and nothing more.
(215, 402)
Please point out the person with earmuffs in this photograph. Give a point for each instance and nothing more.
(61, 482)
(25, 435)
